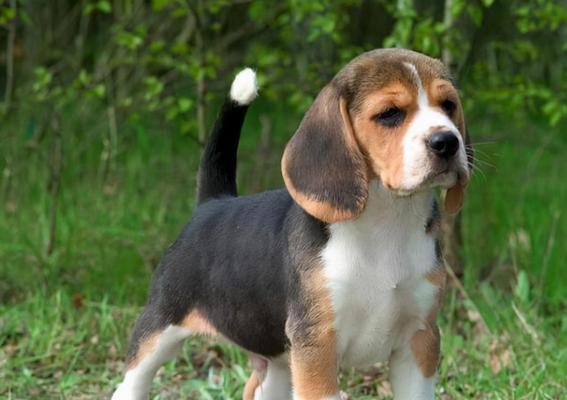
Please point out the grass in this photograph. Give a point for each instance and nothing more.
(63, 346)
(64, 318)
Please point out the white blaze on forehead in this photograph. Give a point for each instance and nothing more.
(416, 157)
(426, 115)
(422, 101)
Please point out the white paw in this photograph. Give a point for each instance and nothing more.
(124, 391)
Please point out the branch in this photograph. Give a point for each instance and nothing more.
(247, 29)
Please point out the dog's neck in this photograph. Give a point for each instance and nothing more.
(385, 207)
(384, 239)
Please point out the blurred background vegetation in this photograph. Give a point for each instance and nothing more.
(107, 103)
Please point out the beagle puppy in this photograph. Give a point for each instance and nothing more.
(340, 268)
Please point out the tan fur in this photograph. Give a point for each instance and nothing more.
(320, 209)
(198, 324)
(438, 91)
(250, 388)
(314, 358)
(194, 321)
(146, 347)
(426, 349)
(382, 146)
(437, 276)
(425, 343)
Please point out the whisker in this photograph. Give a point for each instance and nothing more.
(483, 153)
(477, 162)
(478, 157)
(480, 174)
(483, 162)
(482, 143)
(475, 168)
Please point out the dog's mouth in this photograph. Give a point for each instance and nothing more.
(444, 177)
(447, 177)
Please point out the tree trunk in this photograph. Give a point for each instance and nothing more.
(201, 77)
(54, 183)
(446, 54)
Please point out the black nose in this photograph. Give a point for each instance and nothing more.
(444, 144)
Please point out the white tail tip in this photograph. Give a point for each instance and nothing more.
(244, 88)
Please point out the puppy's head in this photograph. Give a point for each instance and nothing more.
(389, 114)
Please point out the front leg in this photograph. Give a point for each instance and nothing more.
(413, 367)
(310, 328)
(314, 372)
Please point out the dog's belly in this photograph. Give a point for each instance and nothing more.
(378, 287)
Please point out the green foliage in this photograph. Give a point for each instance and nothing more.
(102, 6)
(541, 15)
(7, 15)
(205, 41)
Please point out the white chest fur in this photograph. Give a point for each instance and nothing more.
(375, 268)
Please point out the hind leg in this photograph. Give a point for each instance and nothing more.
(270, 380)
(154, 341)
(154, 352)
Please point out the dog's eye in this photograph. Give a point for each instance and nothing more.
(448, 106)
(391, 117)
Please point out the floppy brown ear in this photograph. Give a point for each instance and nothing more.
(323, 169)
(455, 196)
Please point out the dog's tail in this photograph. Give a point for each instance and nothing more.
(217, 171)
